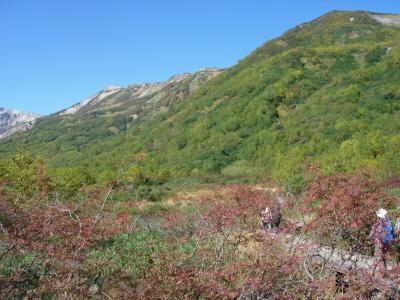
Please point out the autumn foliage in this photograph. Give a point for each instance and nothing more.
(209, 246)
(238, 206)
(343, 208)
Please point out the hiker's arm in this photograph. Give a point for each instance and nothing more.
(372, 233)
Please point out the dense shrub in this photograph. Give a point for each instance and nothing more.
(238, 169)
(128, 255)
(26, 178)
(210, 247)
(343, 209)
(67, 181)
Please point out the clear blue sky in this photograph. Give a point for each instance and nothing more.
(55, 53)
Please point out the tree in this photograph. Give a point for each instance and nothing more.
(67, 181)
(26, 177)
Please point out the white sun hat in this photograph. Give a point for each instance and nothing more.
(381, 213)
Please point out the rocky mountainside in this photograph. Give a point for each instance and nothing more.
(12, 121)
(143, 99)
(90, 101)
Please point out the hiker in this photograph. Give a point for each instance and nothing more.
(271, 218)
(397, 240)
(397, 227)
(276, 216)
(381, 235)
(266, 219)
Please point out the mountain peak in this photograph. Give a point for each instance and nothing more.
(112, 89)
(202, 71)
(179, 77)
(12, 121)
(333, 28)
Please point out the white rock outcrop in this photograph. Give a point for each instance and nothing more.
(393, 20)
(12, 121)
(92, 100)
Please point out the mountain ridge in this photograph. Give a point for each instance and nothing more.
(156, 92)
(96, 98)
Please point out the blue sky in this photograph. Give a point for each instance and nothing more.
(56, 53)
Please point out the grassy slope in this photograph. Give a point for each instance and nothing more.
(325, 91)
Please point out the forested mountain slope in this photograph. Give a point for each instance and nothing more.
(326, 93)
(106, 114)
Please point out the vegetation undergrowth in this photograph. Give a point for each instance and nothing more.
(204, 243)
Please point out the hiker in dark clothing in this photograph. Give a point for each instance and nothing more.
(381, 235)
(276, 213)
(271, 217)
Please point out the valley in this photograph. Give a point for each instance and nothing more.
(157, 190)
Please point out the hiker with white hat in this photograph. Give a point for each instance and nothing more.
(381, 235)
(271, 218)
(266, 219)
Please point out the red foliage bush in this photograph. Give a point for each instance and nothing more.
(239, 205)
(213, 250)
(269, 273)
(60, 234)
(344, 207)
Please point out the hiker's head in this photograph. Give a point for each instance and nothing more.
(280, 201)
(266, 209)
(381, 213)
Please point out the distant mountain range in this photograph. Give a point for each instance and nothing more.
(131, 102)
